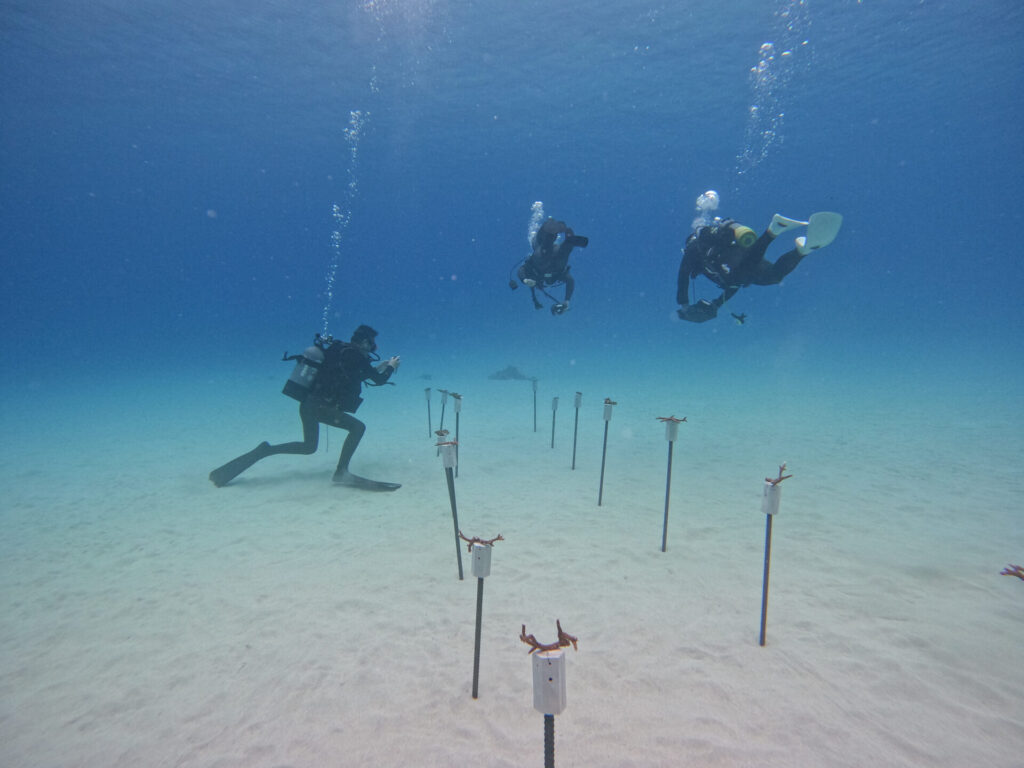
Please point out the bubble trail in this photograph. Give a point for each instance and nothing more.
(342, 214)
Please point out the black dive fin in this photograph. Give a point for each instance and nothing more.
(355, 481)
(578, 241)
(225, 474)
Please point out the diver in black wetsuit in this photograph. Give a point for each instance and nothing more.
(549, 263)
(731, 256)
(332, 399)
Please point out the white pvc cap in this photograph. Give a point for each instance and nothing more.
(607, 411)
(481, 560)
(549, 682)
(770, 498)
(671, 431)
(448, 456)
(579, 399)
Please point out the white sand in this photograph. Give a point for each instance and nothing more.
(151, 619)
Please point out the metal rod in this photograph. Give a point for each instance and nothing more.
(767, 565)
(476, 646)
(455, 516)
(575, 427)
(604, 451)
(668, 492)
(549, 741)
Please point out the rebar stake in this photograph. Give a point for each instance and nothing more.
(671, 433)
(608, 403)
(554, 410)
(447, 450)
(534, 380)
(575, 426)
(481, 552)
(771, 495)
(444, 402)
(458, 409)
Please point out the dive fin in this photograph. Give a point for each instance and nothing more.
(578, 241)
(221, 476)
(821, 230)
(782, 224)
(346, 478)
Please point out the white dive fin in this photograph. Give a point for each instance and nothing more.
(821, 230)
(782, 224)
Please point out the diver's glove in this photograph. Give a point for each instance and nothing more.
(528, 282)
(559, 309)
(700, 312)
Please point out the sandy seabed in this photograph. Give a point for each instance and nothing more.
(151, 619)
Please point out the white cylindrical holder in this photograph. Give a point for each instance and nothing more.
(607, 411)
(554, 404)
(549, 682)
(770, 498)
(458, 404)
(482, 560)
(579, 400)
(448, 455)
(671, 430)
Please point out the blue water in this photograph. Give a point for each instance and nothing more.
(189, 189)
(169, 171)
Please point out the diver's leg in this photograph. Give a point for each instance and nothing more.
(224, 474)
(773, 274)
(228, 472)
(342, 475)
(310, 433)
(355, 429)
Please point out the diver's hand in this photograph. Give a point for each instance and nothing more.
(528, 282)
(395, 361)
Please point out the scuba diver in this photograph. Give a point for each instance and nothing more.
(548, 265)
(732, 256)
(327, 381)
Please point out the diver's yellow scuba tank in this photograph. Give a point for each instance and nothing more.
(307, 366)
(743, 235)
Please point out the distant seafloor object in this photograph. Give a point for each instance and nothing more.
(511, 373)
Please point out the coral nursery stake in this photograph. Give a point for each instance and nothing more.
(458, 410)
(608, 403)
(671, 433)
(770, 498)
(575, 426)
(554, 410)
(480, 550)
(549, 682)
(449, 460)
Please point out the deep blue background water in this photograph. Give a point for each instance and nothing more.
(168, 170)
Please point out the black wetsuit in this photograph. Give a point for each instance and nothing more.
(334, 397)
(549, 262)
(713, 252)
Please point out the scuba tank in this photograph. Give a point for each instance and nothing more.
(307, 365)
(744, 236)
